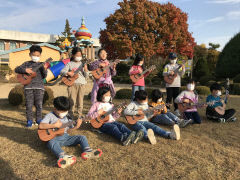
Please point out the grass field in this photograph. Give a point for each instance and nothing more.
(206, 151)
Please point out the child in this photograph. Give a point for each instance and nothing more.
(137, 68)
(174, 88)
(163, 115)
(76, 92)
(106, 80)
(186, 97)
(56, 119)
(211, 112)
(137, 107)
(112, 127)
(34, 91)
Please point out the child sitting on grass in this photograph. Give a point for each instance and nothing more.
(137, 107)
(56, 119)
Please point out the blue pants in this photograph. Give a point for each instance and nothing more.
(145, 125)
(194, 116)
(136, 88)
(65, 140)
(166, 119)
(116, 129)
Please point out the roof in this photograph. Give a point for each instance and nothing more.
(27, 47)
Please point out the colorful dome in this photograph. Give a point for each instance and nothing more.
(65, 44)
(83, 32)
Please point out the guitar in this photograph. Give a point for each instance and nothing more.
(104, 117)
(26, 78)
(99, 72)
(135, 77)
(134, 119)
(48, 134)
(221, 110)
(170, 78)
(69, 81)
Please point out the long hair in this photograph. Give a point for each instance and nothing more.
(101, 92)
(75, 50)
(137, 59)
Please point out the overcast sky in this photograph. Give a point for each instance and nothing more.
(209, 20)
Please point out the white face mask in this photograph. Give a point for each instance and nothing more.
(62, 115)
(173, 61)
(219, 93)
(78, 58)
(140, 64)
(106, 99)
(159, 100)
(190, 87)
(35, 58)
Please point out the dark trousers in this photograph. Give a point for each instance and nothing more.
(215, 115)
(34, 97)
(172, 93)
(194, 116)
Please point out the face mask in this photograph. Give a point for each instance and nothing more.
(190, 87)
(219, 93)
(106, 99)
(159, 100)
(144, 103)
(78, 58)
(173, 61)
(62, 115)
(35, 58)
(140, 64)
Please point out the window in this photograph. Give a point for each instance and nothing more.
(2, 46)
(13, 45)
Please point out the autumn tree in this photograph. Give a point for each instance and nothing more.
(65, 34)
(146, 27)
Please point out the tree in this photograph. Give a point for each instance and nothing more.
(200, 51)
(228, 64)
(201, 69)
(65, 34)
(146, 27)
(213, 46)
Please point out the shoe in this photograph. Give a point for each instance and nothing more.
(175, 134)
(29, 123)
(232, 119)
(38, 122)
(186, 122)
(66, 160)
(151, 136)
(96, 153)
(138, 137)
(221, 120)
(129, 139)
(177, 113)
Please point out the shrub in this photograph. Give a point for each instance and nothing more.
(124, 94)
(202, 90)
(16, 96)
(236, 88)
(205, 79)
(236, 79)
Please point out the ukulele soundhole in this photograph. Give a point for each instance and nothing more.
(103, 116)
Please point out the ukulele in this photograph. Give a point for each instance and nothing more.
(221, 110)
(104, 117)
(69, 81)
(48, 134)
(135, 77)
(135, 118)
(170, 78)
(26, 78)
(99, 72)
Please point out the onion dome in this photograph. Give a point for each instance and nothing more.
(83, 32)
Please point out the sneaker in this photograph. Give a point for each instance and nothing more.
(29, 123)
(186, 122)
(38, 122)
(151, 136)
(138, 137)
(66, 160)
(175, 134)
(177, 113)
(221, 120)
(96, 153)
(232, 119)
(129, 139)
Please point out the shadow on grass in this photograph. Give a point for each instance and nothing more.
(6, 171)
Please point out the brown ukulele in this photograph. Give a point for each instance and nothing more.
(26, 78)
(99, 72)
(135, 77)
(134, 119)
(69, 81)
(104, 117)
(170, 78)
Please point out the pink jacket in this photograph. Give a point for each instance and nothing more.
(93, 112)
(136, 69)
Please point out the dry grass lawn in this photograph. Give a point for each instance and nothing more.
(206, 151)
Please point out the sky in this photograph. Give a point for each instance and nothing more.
(213, 21)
